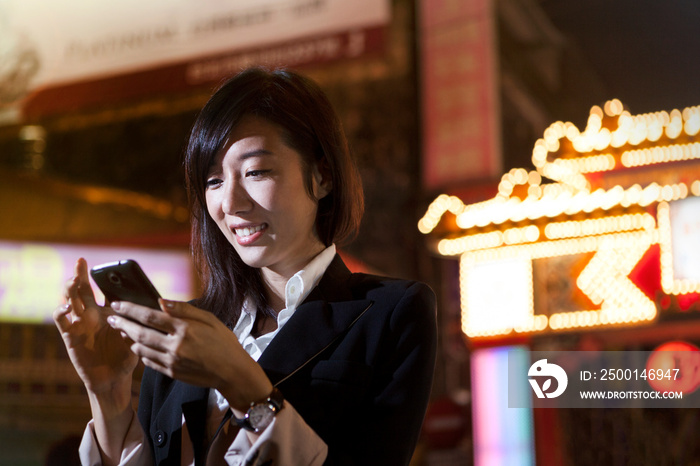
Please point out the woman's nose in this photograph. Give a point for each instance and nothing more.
(235, 199)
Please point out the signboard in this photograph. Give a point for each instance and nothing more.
(460, 104)
(32, 275)
(685, 234)
(577, 251)
(162, 45)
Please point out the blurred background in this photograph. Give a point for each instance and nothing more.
(534, 161)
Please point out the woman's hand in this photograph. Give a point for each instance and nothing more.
(100, 355)
(193, 346)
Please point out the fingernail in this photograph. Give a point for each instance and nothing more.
(116, 305)
(111, 320)
(168, 304)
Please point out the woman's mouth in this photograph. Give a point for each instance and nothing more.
(248, 231)
(248, 235)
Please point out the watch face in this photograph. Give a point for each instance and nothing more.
(260, 416)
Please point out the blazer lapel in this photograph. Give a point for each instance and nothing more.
(325, 314)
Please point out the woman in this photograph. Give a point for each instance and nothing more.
(287, 358)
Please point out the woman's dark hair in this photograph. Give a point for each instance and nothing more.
(310, 126)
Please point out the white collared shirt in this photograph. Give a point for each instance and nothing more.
(297, 289)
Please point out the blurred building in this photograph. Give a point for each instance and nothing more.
(436, 97)
(586, 246)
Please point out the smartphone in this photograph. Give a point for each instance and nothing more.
(125, 281)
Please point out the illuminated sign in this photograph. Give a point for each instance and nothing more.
(685, 237)
(32, 275)
(581, 240)
(501, 435)
(63, 55)
(675, 356)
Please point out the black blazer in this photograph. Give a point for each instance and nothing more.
(355, 360)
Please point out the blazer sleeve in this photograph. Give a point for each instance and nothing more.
(387, 430)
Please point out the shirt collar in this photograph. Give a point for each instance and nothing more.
(300, 285)
(297, 289)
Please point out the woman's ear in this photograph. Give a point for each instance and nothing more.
(322, 184)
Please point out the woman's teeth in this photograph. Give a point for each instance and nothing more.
(243, 232)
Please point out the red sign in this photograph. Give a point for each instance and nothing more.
(674, 366)
(460, 104)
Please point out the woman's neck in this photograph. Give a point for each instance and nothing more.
(276, 298)
(275, 281)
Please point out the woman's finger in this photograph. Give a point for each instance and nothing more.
(162, 360)
(185, 311)
(73, 298)
(138, 333)
(84, 289)
(78, 291)
(150, 363)
(60, 316)
(145, 316)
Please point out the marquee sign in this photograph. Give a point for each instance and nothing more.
(602, 232)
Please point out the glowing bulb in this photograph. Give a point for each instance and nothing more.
(597, 112)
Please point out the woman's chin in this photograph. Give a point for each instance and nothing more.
(257, 261)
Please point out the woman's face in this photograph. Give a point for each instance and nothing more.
(255, 193)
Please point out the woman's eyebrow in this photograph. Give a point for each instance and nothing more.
(254, 153)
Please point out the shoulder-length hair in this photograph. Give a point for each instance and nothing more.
(310, 126)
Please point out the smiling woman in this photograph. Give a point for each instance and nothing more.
(256, 195)
(293, 113)
(287, 357)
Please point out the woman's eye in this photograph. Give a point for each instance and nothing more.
(213, 183)
(256, 173)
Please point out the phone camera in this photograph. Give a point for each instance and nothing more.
(114, 278)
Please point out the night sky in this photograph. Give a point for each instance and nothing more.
(646, 52)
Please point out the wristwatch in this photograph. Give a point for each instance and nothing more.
(261, 414)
